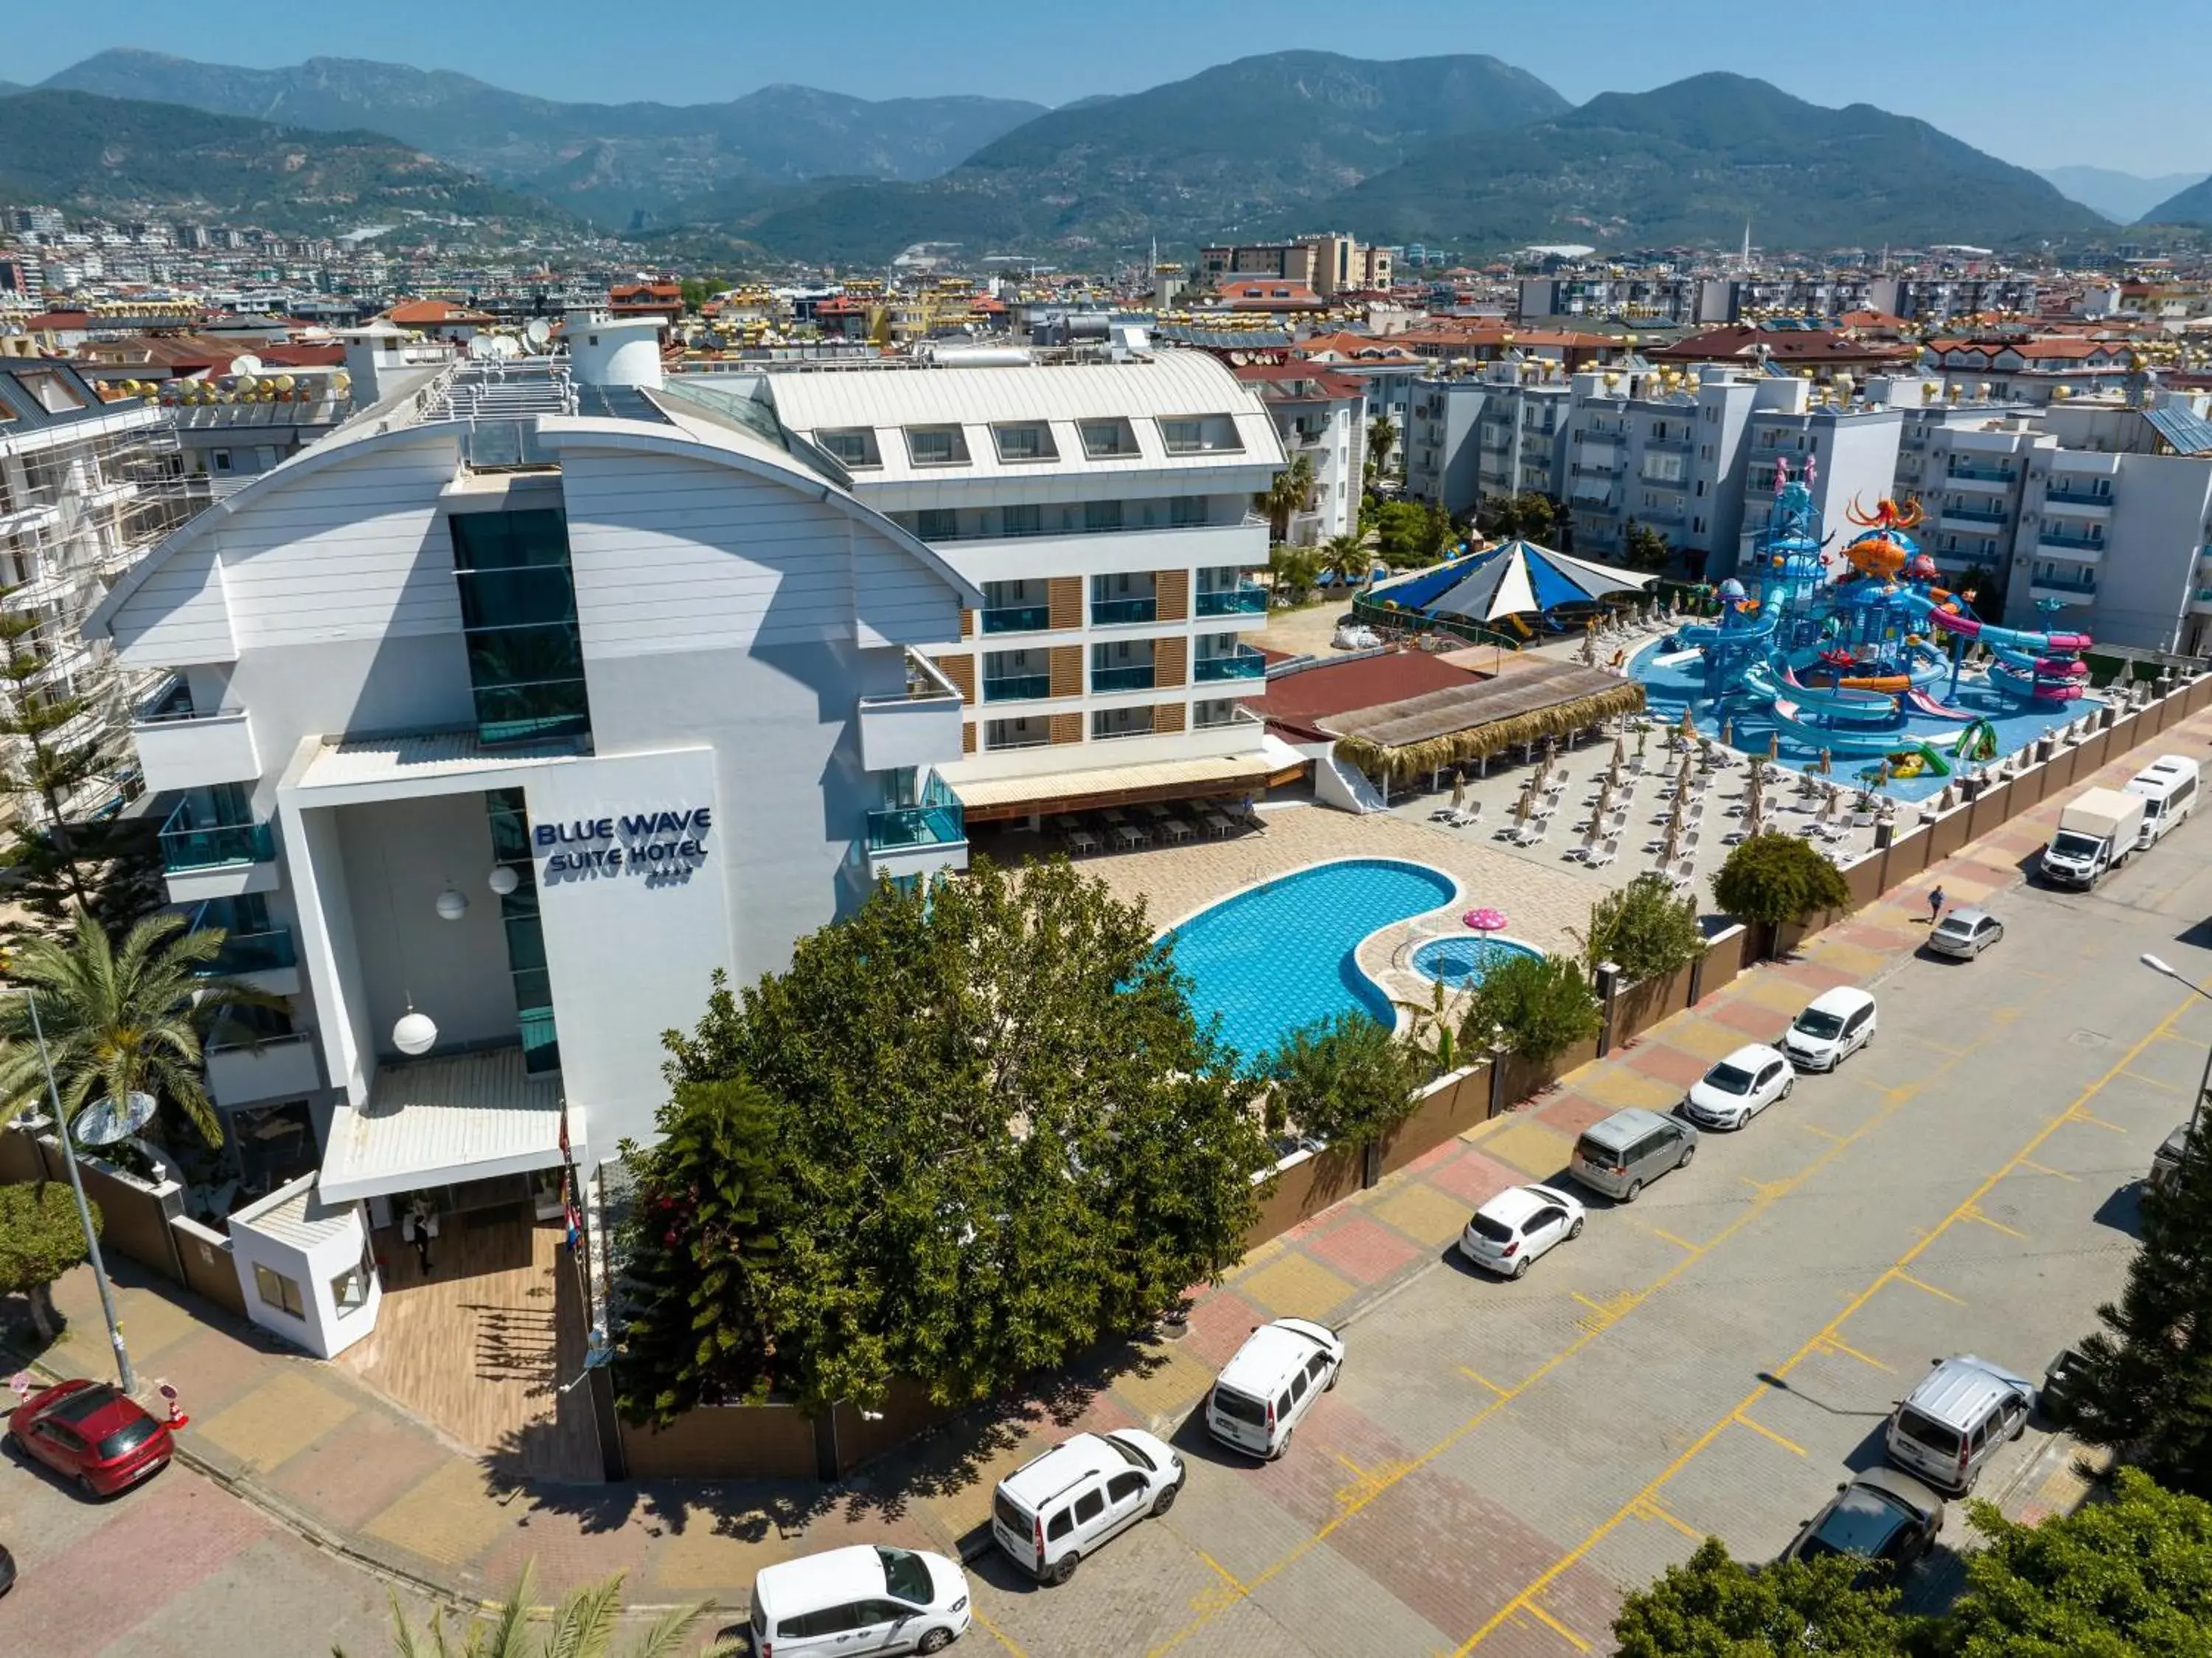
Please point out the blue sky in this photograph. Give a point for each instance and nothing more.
(1993, 72)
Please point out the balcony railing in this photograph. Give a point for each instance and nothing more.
(2062, 584)
(2061, 539)
(1016, 688)
(1138, 676)
(916, 826)
(1978, 515)
(1018, 618)
(1234, 665)
(1983, 474)
(1234, 602)
(2078, 498)
(187, 846)
(1113, 612)
(253, 953)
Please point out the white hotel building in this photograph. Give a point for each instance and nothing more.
(504, 717)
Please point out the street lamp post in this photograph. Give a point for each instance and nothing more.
(124, 1373)
(2204, 1083)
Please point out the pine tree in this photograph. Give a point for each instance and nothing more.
(2147, 1384)
(38, 767)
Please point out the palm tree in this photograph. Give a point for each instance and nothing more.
(582, 1627)
(1381, 438)
(1287, 495)
(1295, 569)
(1346, 558)
(119, 1019)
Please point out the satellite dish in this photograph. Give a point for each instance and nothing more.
(537, 331)
(504, 346)
(103, 1122)
(479, 346)
(248, 364)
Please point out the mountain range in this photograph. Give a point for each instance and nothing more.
(1463, 151)
(616, 163)
(2123, 198)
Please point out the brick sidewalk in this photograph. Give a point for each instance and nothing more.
(314, 1446)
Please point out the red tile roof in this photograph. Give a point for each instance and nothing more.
(1786, 345)
(433, 314)
(1297, 702)
(1281, 377)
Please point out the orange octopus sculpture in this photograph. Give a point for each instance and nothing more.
(1882, 552)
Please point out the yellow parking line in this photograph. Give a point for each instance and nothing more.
(1220, 1570)
(1823, 1338)
(2045, 1168)
(2154, 1082)
(1820, 1133)
(1653, 1511)
(1556, 1626)
(996, 1633)
(2094, 1122)
(1761, 1428)
(1920, 1283)
(1851, 1352)
(1477, 1375)
(2010, 1231)
(1679, 1243)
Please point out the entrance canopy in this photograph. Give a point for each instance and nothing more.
(1212, 777)
(1516, 579)
(440, 1122)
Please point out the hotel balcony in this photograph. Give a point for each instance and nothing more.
(183, 749)
(1122, 676)
(2087, 502)
(1124, 612)
(265, 961)
(1016, 688)
(1973, 520)
(203, 858)
(2075, 549)
(1245, 599)
(918, 727)
(2083, 592)
(281, 1068)
(918, 840)
(1018, 618)
(1240, 664)
(1980, 481)
(2200, 600)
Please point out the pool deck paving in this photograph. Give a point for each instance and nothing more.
(323, 1452)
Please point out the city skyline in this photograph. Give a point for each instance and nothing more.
(914, 60)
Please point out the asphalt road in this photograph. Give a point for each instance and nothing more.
(1502, 1460)
(175, 1569)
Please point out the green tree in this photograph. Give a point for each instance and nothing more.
(1432, 1035)
(1382, 439)
(1770, 879)
(699, 1253)
(1526, 516)
(1295, 569)
(1644, 930)
(2148, 1373)
(1712, 1606)
(1347, 1080)
(584, 1625)
(2127, 1578)
(1344, 558)
(119, 1019)
(1645, 548)
(1542, 1004)
(697, 291)
(40, 1239)
(1005, 1135)
(1288, 495)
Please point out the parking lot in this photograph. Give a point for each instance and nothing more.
(1502, 1460)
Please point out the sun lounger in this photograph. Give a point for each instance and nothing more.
(1605, 853)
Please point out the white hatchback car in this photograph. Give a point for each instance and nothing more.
(1057, 1508)
(1835, 1025)
(1517, 1225)
(1738, 1088)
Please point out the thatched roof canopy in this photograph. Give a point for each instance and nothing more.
(1444, 727)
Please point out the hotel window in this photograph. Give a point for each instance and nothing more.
(1030, 443)
(509, 818)
(937, 524)
(350, 1289)
(936, 446)
(1108, 440)
(1109, 722)
(518, 623)
(854, 446)
(278, 1291)
(1187, 510)
(1020, 521)
(1200, 435)
(1102, 515)
(1212, 711)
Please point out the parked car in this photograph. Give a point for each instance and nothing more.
(1269, 1384)
(864, 1599)
(1965, 934)
(1738, 1088)
(1056, 1509)
(1517, 1225)
(1948, 1427)
(2165, 1162)
(1883, 1517)
(1621, 1155)
(1835, 1025)
(93, 1434)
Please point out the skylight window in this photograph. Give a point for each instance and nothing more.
(937, 446)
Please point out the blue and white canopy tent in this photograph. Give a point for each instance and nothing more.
(1516, 579)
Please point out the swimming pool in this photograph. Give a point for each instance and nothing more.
(1461, 962)
(1280, 955)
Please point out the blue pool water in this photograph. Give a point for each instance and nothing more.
(1280, 955)
(1666, 690)
(1461, 962)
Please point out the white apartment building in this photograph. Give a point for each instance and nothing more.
(1321, 415)
(1103, 511)
(86, 486)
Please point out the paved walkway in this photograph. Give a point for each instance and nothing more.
(314, 1446)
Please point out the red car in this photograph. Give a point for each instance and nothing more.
(90, 1432)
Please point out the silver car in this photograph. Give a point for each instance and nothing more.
(1965, 934)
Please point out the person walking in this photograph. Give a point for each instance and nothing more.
(1936, 905)
(422, 1227)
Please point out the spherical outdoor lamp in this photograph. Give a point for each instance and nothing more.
(453, 903)
(414, 1033)
(503, 880)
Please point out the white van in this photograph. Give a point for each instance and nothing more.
(1269, 1386)
(1057, 1508)
(864, 1599)
(2168, 786)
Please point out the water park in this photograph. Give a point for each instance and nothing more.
(1852, 659)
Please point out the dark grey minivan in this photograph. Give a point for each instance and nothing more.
(1629, 1150)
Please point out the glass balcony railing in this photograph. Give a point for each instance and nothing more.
(185, 846)
(1982, 474)
(1016, 688)
(1112, 613)
(2061, 539)
(2076, 496)
(1138, 676)
(1018, 618)
(1977, 514)
(253, 953)
(1234, 602)
(2062, 584)
(2204, 596)
(1237, 664)
(893, 827)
